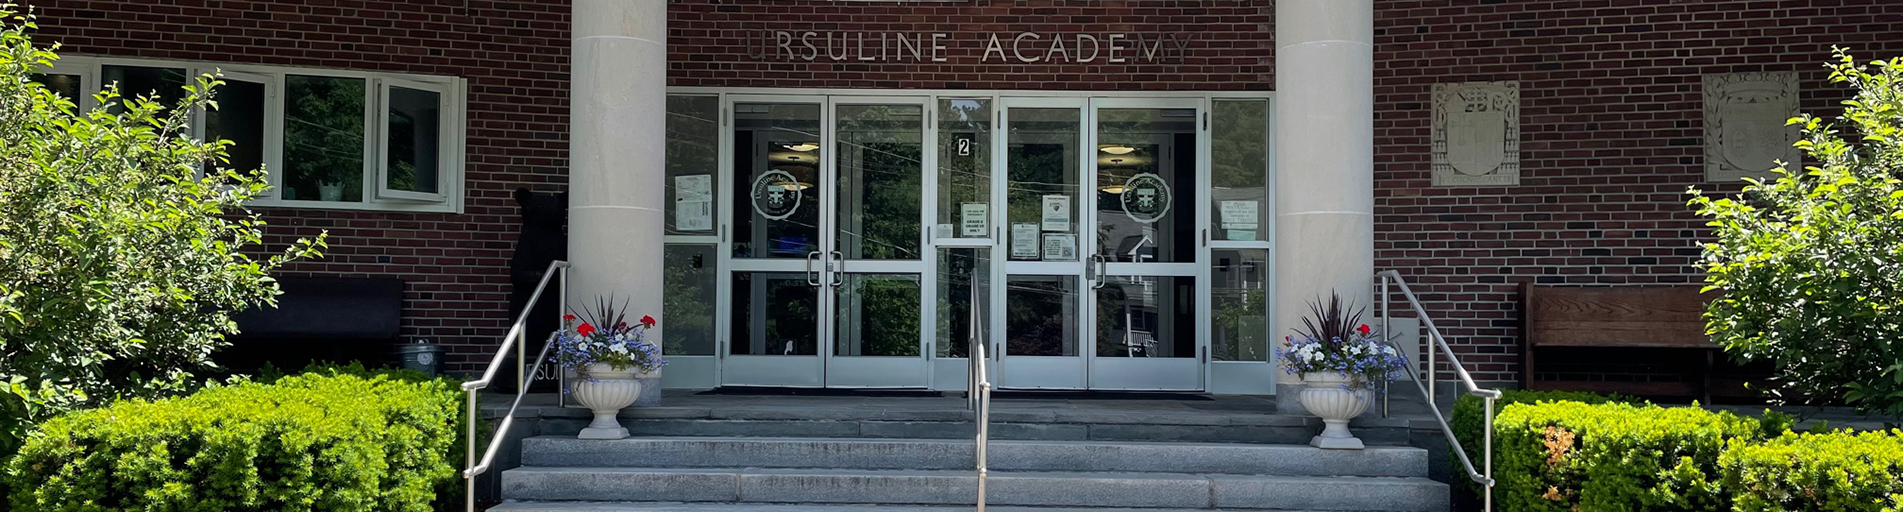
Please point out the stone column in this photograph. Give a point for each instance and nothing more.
(617, 130)
(1324, 160)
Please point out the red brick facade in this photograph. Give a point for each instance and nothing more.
(1610, 109)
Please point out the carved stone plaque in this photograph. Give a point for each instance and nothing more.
(1745, 133)
(1477, 134)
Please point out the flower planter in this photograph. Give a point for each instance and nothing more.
(605, 391)
(1327, 395)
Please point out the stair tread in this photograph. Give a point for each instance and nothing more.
(639, 506)
(955, 473)
(995, 442)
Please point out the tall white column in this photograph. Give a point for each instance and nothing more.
(1324, 151)
(617, 130)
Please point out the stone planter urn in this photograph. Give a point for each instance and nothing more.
(605, 391)
(1326, 394)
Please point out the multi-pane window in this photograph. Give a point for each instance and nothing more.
(326, 138)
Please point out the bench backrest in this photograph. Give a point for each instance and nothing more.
(1614, 316)
(328, 308)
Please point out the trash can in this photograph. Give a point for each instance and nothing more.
(421, 356)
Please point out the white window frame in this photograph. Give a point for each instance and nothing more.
(447, 117)
(453, 129)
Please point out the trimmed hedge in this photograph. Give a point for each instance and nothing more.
(1838, 471)
(1572, 456)
(328, 441)
(1467, 426)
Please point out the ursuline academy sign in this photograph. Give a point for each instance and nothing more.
(1022, 47)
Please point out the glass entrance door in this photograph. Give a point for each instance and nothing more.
(1147, 245)
(826, 275)
(1104, 245)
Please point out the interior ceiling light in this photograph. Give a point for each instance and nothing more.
(804, 146)
(1117, 149)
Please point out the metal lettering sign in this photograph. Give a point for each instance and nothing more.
(1021, 48)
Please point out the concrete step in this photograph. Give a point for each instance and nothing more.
(1261, 429)
(949, 487)
(637, 506)
(754, 452)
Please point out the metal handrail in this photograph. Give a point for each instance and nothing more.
(1484, 475)
(979, 392)
(517, 339)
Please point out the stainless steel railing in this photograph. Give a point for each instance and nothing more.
(517, 339)
(1484, 475)
(979, 391)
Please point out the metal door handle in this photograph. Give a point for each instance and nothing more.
(1103, 270)
(838, 258)
(812, 277)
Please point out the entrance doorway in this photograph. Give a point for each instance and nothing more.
(827, 260)
(1103, 189)
(863, 238)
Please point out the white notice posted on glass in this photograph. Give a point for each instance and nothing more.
(1239, 219)
(694, 202)
(1024, 241)
(1057, 213)
(972, 219)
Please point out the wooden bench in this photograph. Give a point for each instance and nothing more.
(1627, 317)
(320, 319)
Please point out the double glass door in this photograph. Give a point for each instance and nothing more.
(1104, 245)
(867, 237)
(827, 250)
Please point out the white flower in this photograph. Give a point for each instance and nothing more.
(619, 348)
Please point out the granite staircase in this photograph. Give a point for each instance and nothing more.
(866, 474)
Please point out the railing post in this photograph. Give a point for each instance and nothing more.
(469, 477)
(1487, 454)
(1387, 334)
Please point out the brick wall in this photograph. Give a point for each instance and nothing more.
(1610, 112)
(515, 56)
(1611, 131)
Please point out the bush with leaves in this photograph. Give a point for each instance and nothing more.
(1468, 422)
(1571, 456)
(120, 261)
(1810, 265)
(334, 440)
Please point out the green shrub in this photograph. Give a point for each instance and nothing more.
(1467, 425)
(1567, 456)
(124, 243)
(1806, 264)
(1838, 471)
(314, 442)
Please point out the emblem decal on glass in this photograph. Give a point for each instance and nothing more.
(1146, 197)
(776, 194)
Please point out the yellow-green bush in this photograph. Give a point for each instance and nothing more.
(1467, 424)
(1838, 471)
(1572, 456)
(313, 442)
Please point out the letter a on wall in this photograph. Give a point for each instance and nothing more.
(1476, 134)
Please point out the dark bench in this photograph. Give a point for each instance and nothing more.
(320, 319)
(1638, 320)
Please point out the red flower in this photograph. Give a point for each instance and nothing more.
(647, 320)
(585, 329)
(1364, 329)
(568, 318)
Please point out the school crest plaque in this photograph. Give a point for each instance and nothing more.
(1745, 133)
(1476, 134)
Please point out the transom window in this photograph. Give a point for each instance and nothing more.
(326, 138)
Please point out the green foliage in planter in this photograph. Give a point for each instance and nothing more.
(1469, 411)
(1809, 266)
(119, 262)
(312, 442)
(1838, 471)
(1572, 456)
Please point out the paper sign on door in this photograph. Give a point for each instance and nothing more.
(1024, 241)
(694, 202)
(972, 220)
(1057, 213)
